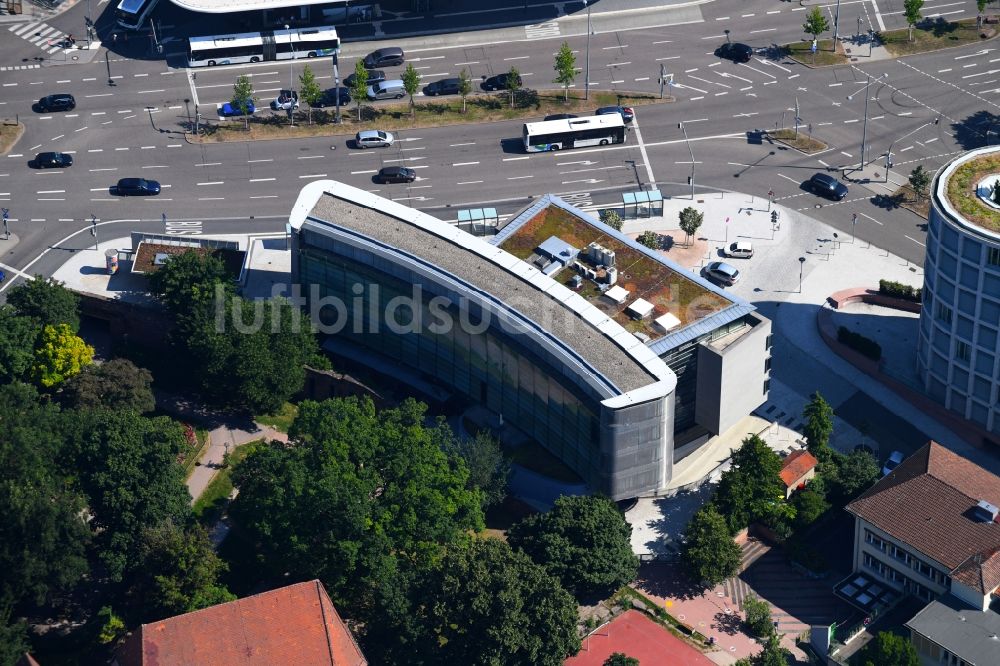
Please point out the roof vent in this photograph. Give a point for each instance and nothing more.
(985, 512)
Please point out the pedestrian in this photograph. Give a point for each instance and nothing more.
(114, 37)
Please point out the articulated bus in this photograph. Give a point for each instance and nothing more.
(574, 133)
(131, 14)
(262, 46)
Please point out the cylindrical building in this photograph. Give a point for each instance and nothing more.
(958, 347)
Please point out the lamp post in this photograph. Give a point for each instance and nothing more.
(888, 154)
(107, 61)
(854, 223)
(586, 76)
(728, 41)
(836, 26)
(864, 130)
(691, 151)
(802, 261)
(291, 61)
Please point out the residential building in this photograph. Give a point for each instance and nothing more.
(927, 529)
(296, 624)
(958, 347)
(597, 347)
(948, 632)
(798, 469)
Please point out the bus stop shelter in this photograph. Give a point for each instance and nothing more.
(644, 203)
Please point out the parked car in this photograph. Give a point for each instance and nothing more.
(374, 76)
(373, 139)
(396, 174)
(561, 116)
(740, 250)
(329, 97)
(53, 160)
(286, 99)
(735, 51)
(138, 187)
(228, 110)
(499, 82)
(827, 186)
(57, 102)
(443, 87)
(387, 57)
(722, 273)
(391, 89)
(626, 113)
(892, 463)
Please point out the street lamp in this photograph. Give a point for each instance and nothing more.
(864, 130)
(291, 61)
(107, 61)
(888, 154)
(836, 26)
(728, 41)
(691, 151)
(802, 261)
(586, 76)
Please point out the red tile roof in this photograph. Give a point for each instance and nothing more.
(926, 503)
(796, 465)
(291, 625)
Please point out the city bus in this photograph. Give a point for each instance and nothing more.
(574, 133)
(131, 14)
(262, 46)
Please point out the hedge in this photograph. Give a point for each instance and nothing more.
(859, 343)
(899, 290)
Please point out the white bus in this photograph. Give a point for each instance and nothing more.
(131, 14)
(261, 46)
(574, 133)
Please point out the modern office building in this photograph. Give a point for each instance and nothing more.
(958, 348)
(588, 342)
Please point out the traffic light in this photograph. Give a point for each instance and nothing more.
(774, 217)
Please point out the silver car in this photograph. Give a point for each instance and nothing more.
(373, 139)
(722, 273)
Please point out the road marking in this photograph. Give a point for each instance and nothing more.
(109, 169)
(118, 149)
(266, 196)
(470, 143)
(519, 177)
(464, 163)
(51, 192)
(145, 74)
(261, 180)
(871, 218)
(270, 159)
(853, 120)
(212, 182)
(471, 62)
(514, 58)
(310, 157)
(95, 150)
(319, 175)
(788, 178)
(175, 145)
(513, 159)
(355, 173)
(469, 182)
(942, 71)
(764, 30)
(914, 240)
(208, 164)
(156, 166)
(211, 198)
(843, 152)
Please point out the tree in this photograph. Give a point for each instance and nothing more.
(243, 97)
(888, 649)
(565, 67)
(179, 572)
(13, 638)
(612, 218)
(48, 301)
(60, 355)
(127, 466)
(855, 472)
(487, 464)
(309, 90)
(513, 83)
(911, 12)
(815, 25)
(650, 239)
(758, 616)
(621, 659)
(709, 554)
(17, 344)
(112, 626)
(920, 180)
(981, 5)
(752, 488)
(191, 285)
(464, 85)
(772, 654)
(117, 384)
(584, 541)
(691, 220)
(809, 505)
(359, 85)
(411, 84)
(819, 426)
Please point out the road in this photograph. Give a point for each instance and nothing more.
(135, 128)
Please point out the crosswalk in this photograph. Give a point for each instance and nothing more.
(542, 30)
(41, 35)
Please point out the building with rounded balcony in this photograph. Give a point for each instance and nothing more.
(958, 348)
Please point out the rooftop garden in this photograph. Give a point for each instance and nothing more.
(962, 194)
(642, 276)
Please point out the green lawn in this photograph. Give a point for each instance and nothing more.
(933, 37)
(280, 420)
(824, 56)
(209, 507)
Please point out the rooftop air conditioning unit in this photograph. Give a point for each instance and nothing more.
(985, 512)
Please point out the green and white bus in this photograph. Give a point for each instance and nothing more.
(574, 133)
(262, 46)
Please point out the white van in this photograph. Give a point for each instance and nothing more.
(740, 250)
(392, 89)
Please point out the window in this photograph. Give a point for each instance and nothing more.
(993, 256)
(767, 364)
(767, 344)
(875, 541)
(942, 312)
(767, 386)
(962, 351)
(898, 553)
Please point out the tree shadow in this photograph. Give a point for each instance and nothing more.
(728, 623)
(887, 202)
(668, 581)
(977, 130)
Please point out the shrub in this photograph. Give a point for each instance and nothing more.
(612, 218)
(859, 343)
(899, 290)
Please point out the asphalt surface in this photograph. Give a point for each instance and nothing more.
(135, 128)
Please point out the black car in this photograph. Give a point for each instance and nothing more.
(735, 51)
(387, 57)
(561, 116)
(499, 82)
(443, 87)
(396, 174)
(329, 97)
(827, 186)
(374, 76)
(53, 161)
(57, 102)
(140, 187)
(625, 112)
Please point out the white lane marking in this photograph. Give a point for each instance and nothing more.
(513, 159)
(319, 175)
(519, 177)
(464, 163)
(469, 182)
(470, 143)
(355, 173)
(270, 159)
(211, 182)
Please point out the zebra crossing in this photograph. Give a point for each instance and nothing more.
(541, 30)
(41, 35)
(11, 68)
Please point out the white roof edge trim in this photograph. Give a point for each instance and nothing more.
(654, 391)
(229, 6)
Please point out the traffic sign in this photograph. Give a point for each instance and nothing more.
(6, 213)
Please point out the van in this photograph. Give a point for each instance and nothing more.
(392, 89)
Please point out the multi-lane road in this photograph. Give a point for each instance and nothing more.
(136, 127)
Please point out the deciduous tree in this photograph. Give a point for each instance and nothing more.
(815, 25)
(487, 464)
(920, 180)
(513, 83)
(60, 355)
(565, 66)
(309, 90)
(650, 239)
(46, 300)
(855, 473)
(809, 505)
(584, 541)
(243, 97)
(13, 638)
(911, 12)
(464, 86)
(752, 488)
(18, 336)
(819, 426)
(411, 84)
(690, 222)
(758, 616)
(612, 218)
(117, 384)
(621, 659)
(359, 85)
(772, 654)
(888, 649)
(709, 554)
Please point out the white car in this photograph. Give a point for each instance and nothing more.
(287, 99)
(892, 463)
(739, 250)
(373, 139)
